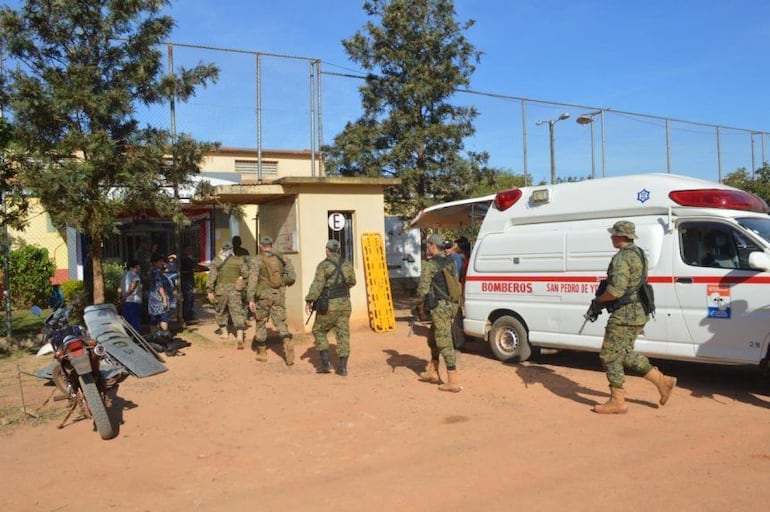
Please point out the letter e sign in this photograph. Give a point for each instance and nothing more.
(336, 221)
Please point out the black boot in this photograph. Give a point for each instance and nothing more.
(326, 364)
(342, 367)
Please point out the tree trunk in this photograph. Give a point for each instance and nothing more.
(98, 271)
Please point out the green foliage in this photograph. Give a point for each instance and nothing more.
(495, 181)
(31, 270)
(200, 281)
(758, 184)
(75, 73)
(113, 275)
(16, 202)
(416, 57)
(72, 290)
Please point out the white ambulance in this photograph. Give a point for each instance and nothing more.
(541, 252)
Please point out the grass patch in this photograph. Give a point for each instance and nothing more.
(25, 328)
(12, 417)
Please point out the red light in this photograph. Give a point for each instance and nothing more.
(75, 347)
(720, 198)
(507, 198)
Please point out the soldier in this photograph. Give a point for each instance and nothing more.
(226, 282)
(433, 297)
(335, 276)
(238, 250)
(269, 274)
(626, 321)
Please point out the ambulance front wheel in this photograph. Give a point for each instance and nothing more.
(508, 340)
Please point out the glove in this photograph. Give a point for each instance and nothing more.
(210, 296)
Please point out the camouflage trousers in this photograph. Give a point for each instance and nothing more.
(440, 334)
(270, 307)
(230, 303)
(337, 320)
(618, 353)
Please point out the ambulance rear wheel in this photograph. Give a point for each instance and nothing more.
(508, 340)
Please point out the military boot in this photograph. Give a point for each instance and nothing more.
(615, 405)
(326, 364)
(262, 352)
(239, 336)
(342, 367)
(431, 373)
(288, 351)
(664, 384)
(452, 383)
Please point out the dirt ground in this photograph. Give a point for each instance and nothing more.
(220, 431)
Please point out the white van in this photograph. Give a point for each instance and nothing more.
(541, 252)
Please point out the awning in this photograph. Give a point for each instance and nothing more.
(455, 214)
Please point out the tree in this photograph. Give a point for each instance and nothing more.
(79, 70)
(15, 203)
(758, 184)
(416, 58)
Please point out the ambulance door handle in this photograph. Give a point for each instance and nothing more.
(684, 280)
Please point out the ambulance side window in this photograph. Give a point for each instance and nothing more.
(714, 245)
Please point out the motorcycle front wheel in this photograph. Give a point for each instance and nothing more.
(96, 405)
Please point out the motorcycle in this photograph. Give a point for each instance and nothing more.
(77, 374)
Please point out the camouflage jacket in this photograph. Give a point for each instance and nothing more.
(325, 274)
(625, 273)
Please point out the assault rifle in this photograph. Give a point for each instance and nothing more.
(595, 308)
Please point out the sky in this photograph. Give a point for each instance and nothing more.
(705, 61)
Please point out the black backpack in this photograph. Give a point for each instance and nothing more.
(645, 292)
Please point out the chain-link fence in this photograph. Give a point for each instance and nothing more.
(267, 100)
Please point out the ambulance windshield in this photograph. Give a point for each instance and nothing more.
(758, 226)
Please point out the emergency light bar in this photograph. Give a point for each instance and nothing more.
(507, 198)
(719, 198)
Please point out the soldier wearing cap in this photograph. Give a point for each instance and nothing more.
(337, 276)
(626, 321)
(432, 298)
(224, 291)
(267, 298)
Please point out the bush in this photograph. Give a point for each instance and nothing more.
(113, 274)
(31, 271)
(72, 289)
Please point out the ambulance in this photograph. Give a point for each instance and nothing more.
(541, 252)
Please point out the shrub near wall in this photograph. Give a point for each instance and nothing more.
(72, 289)
(113, 275)
(31, 270)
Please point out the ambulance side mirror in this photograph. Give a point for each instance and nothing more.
(759, 261)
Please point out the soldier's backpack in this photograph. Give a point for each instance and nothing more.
(289, 276)
(645, 292)
(452, 288)
(274, 266)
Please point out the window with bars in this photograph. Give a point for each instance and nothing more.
(249, 167)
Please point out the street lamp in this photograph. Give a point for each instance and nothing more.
(551, 123)
(588, 118)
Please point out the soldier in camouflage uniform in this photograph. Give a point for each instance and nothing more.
(626, 322)
(223, 293)
(267, 302)
(433, 296)
(338, 276)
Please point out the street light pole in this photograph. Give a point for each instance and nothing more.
(588, 119)
(552, 141)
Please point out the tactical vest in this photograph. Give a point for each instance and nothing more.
(230, 270)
